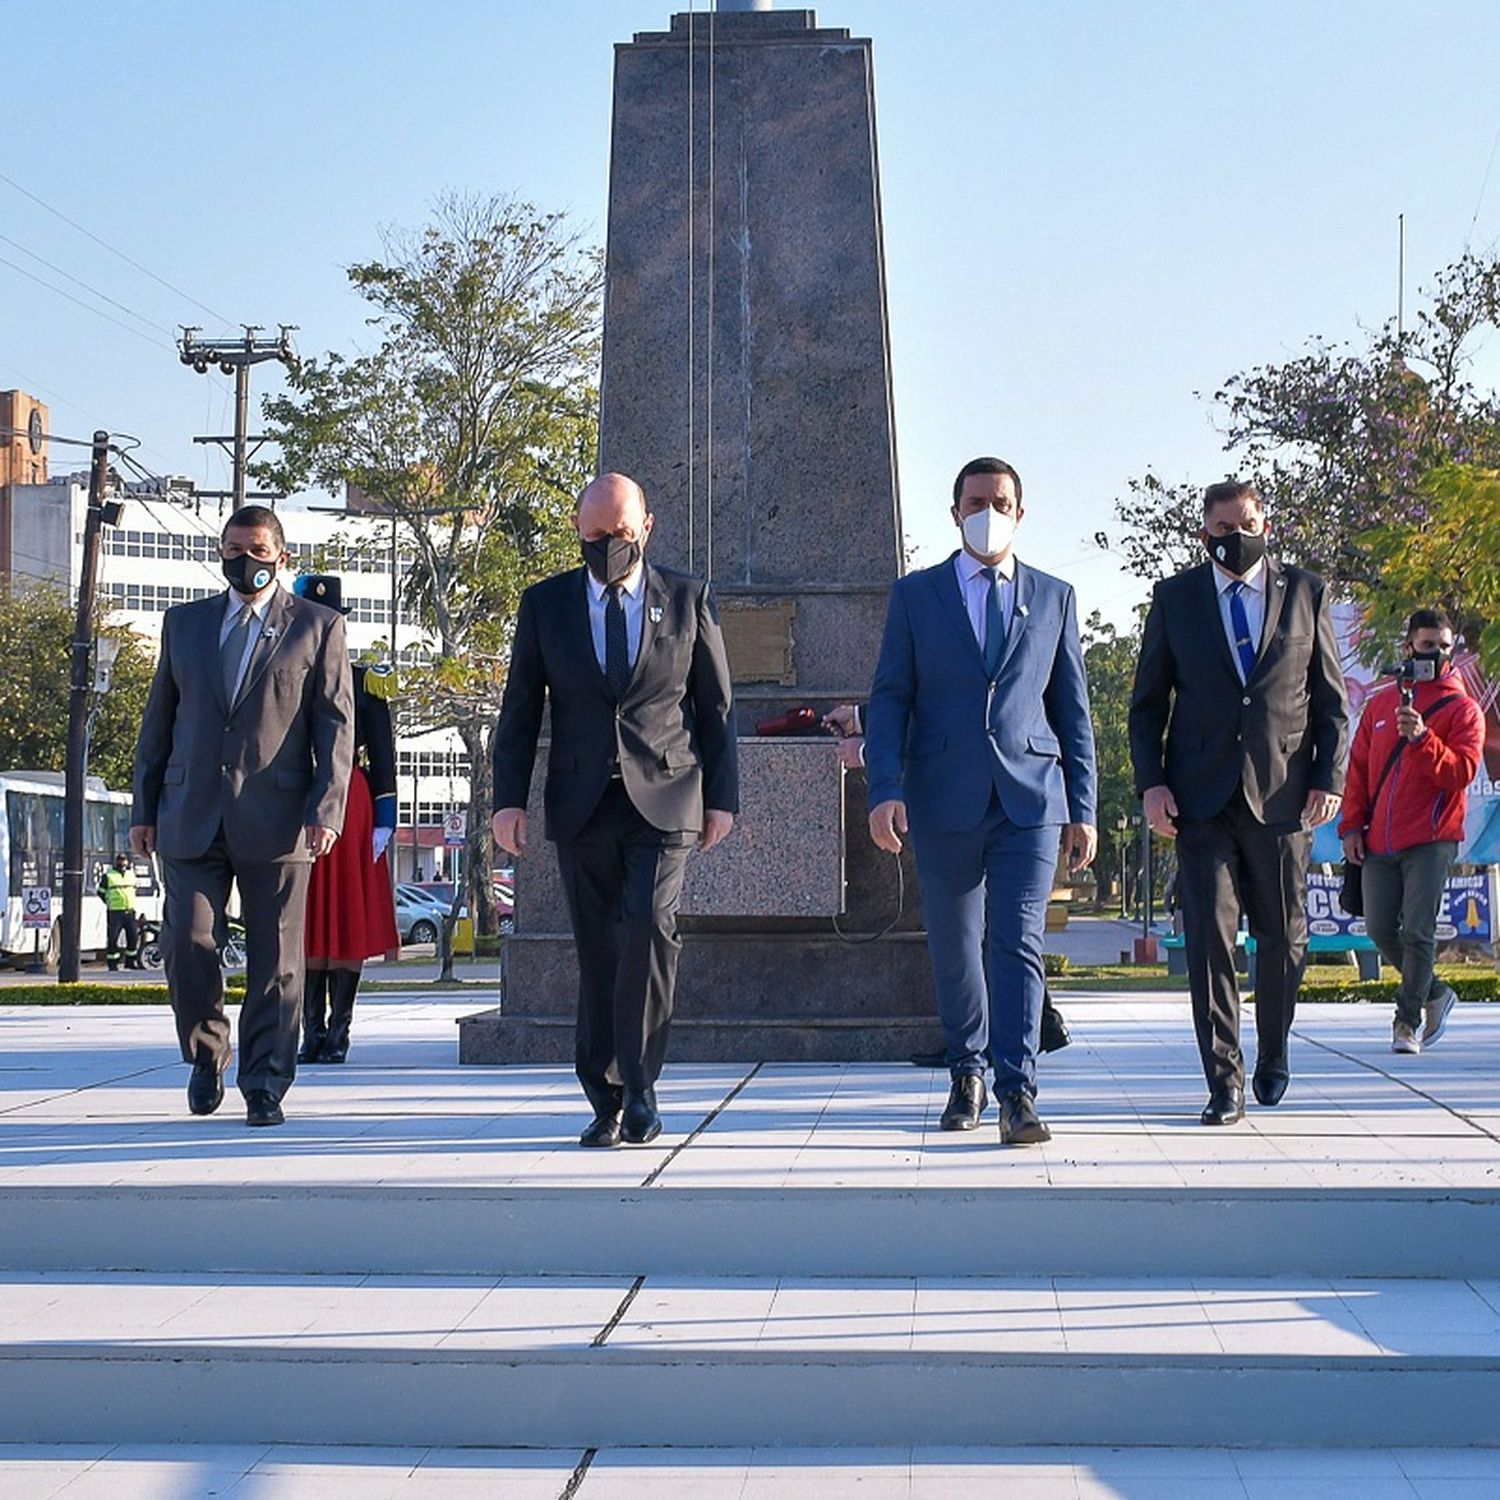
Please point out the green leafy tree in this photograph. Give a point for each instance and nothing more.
(1109, 657)
(1340, 440)
(36, 662)
(1450, 559)
(473, 421)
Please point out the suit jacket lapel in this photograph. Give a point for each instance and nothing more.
(1275, 597)
(950, 597)
(581, 633)
(272, 632)
(1024, 585)
(1215, 621)
(211, 626)
(653, 607)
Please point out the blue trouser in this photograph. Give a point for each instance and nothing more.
(984, 892)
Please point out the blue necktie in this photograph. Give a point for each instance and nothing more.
(1241, 624)
(994, 622)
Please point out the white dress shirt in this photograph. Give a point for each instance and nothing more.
(975, 589)
(1253, 597)
(632, 601)
(233, 604)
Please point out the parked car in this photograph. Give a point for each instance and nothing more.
(419, 913)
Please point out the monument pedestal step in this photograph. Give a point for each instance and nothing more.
(585, 1362)
(496, 1037)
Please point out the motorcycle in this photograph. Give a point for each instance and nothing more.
(231, 950)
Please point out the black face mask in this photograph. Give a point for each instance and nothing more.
(1238, 552)
(611, 559)
(248, 575)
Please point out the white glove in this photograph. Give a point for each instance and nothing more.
(382, 838)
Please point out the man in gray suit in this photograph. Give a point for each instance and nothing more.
(241, 772)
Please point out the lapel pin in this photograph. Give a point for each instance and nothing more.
(1021, 609)
(656, 614)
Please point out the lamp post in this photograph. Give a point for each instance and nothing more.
(1122, 827)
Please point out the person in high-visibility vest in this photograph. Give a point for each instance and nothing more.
(117, 892)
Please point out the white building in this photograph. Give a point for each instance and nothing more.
(165, 551)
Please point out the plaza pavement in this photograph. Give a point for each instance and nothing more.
(803, 1278)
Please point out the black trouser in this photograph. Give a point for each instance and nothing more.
(123, 936)
(622, 878)
(1228, 864)
(273, 895)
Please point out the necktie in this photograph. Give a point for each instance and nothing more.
(1240, 622)
(994, 622)
(232, 652)
(616, 649)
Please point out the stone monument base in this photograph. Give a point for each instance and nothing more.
(741, 997)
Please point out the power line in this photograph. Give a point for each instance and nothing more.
(88, 233)
(92, 290)
(1483, 186)
(78, 301)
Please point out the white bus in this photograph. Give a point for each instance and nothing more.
(31, 846)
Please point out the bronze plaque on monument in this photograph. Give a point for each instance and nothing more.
(758, 638)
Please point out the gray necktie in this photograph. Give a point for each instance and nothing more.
(232, 652)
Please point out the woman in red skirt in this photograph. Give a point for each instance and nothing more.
(350, 912)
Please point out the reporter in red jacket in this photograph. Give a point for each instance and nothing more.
(1406, 829)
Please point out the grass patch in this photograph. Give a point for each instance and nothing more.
(102, 994)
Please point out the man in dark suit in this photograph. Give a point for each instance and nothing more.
(241, 772)
(979, 741)
(1238, 733)
(643, 763)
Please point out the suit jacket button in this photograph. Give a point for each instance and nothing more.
(1246, 700)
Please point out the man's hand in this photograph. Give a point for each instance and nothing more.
(1319, 808)
(887, 824)
(1354, 847)
(852, 752)
(843, 720)
(1080, 843)
(1161, 811)
(320, 841)
(716, 827)
(1410, 725)
(143, 838)
(509, 825)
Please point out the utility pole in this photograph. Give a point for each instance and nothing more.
(234, 357)
(75, 779)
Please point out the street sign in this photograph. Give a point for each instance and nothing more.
(455, 830)
(36, 908)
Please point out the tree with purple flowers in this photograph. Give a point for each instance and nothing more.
(1343, 443)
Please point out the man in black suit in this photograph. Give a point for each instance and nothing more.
(1238, 733)
(643, 763)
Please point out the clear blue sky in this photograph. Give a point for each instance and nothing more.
(1093, 210)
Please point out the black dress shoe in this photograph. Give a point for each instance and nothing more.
(263, 1108)
(966, 1102)
(1226, 1105)
(604, 1131)
(206, 1086)
(640, 1122)
(1055, 1034)
(1269, 1082)
(1019, 1122)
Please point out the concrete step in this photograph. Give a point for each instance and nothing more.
(499, 1037)
(263, 1229)
(597, 1361)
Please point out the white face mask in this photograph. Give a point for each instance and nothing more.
(989, 531)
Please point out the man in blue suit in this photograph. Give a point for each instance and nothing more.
(979, 743)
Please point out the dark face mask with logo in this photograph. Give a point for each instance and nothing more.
(1238, 552)
(610, 559)
(248, 575)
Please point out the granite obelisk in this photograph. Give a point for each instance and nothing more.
(747, 385)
